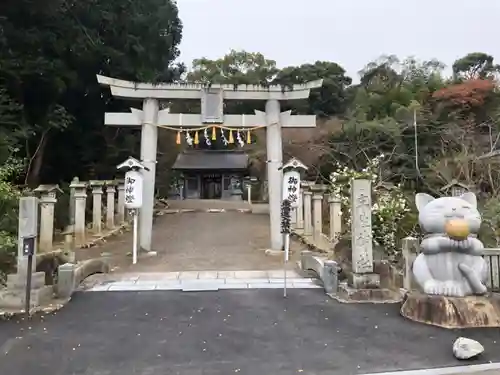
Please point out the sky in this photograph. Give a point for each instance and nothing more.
(348, 32)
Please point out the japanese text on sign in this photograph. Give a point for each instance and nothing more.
(291, 187)
(133, 189)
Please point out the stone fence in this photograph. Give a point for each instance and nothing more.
(308, 221)
(107, 214)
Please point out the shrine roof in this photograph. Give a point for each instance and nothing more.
(211, 160)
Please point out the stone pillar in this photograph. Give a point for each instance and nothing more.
(14, 295)
(335, 210)
(97, 205)
(317, 215)
(47, 203)
(300, 209)
(27, 228)
(410, 251)
(361, 232)
(110, 204)
(307, 213)
(80, 205)
(75, 180)
(120, 207)
(249, 192)
(149, 144)
(330, 276)
(274, 173)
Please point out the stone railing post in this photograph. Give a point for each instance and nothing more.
(300, 209)
(317, 212)
(335, 207)
(307, 212)
(410, 251)
(97, 191)
(80, 205)
(120, 206)
(110, 204)
(47, 201)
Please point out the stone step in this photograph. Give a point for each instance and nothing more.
(18, 281)
(205, 285)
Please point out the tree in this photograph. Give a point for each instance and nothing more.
(330, 99)
(237, 67)
(50, 52)
(476, 65)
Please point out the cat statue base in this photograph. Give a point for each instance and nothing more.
(452, 312)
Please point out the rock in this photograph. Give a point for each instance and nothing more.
(465, 348)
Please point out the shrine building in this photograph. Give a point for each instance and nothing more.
(212, 174)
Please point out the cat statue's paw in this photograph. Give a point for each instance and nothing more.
(433, 287)
(449, 243)
(443, 288)
(452, 289)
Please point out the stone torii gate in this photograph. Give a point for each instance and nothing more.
(212, 103)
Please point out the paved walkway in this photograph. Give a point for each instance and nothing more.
(244, 332)
(199, 241)
(198, 281)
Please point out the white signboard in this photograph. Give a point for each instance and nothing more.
(291, 187)
(133, 189)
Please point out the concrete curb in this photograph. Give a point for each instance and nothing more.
(484, 369)
(70, 275)
(326, 270)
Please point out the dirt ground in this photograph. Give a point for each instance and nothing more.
(196, 241)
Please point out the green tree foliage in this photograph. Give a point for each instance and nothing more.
(331, 98)
(476, 65)
(50, 53)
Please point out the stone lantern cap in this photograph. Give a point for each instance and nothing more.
(48, 189)
(318, 188)
(132, 163)
(96, 183)
(294, 163)
(306, 184)
(77, 184)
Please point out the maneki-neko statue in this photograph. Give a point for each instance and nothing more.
(450, 261)
(450, 269)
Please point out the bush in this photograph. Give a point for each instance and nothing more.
(392, 217)
(9, 209)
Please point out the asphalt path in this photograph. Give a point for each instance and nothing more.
(254, 332)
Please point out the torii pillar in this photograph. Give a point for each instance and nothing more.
(212, 99)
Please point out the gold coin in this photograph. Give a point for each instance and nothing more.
(457, 229)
